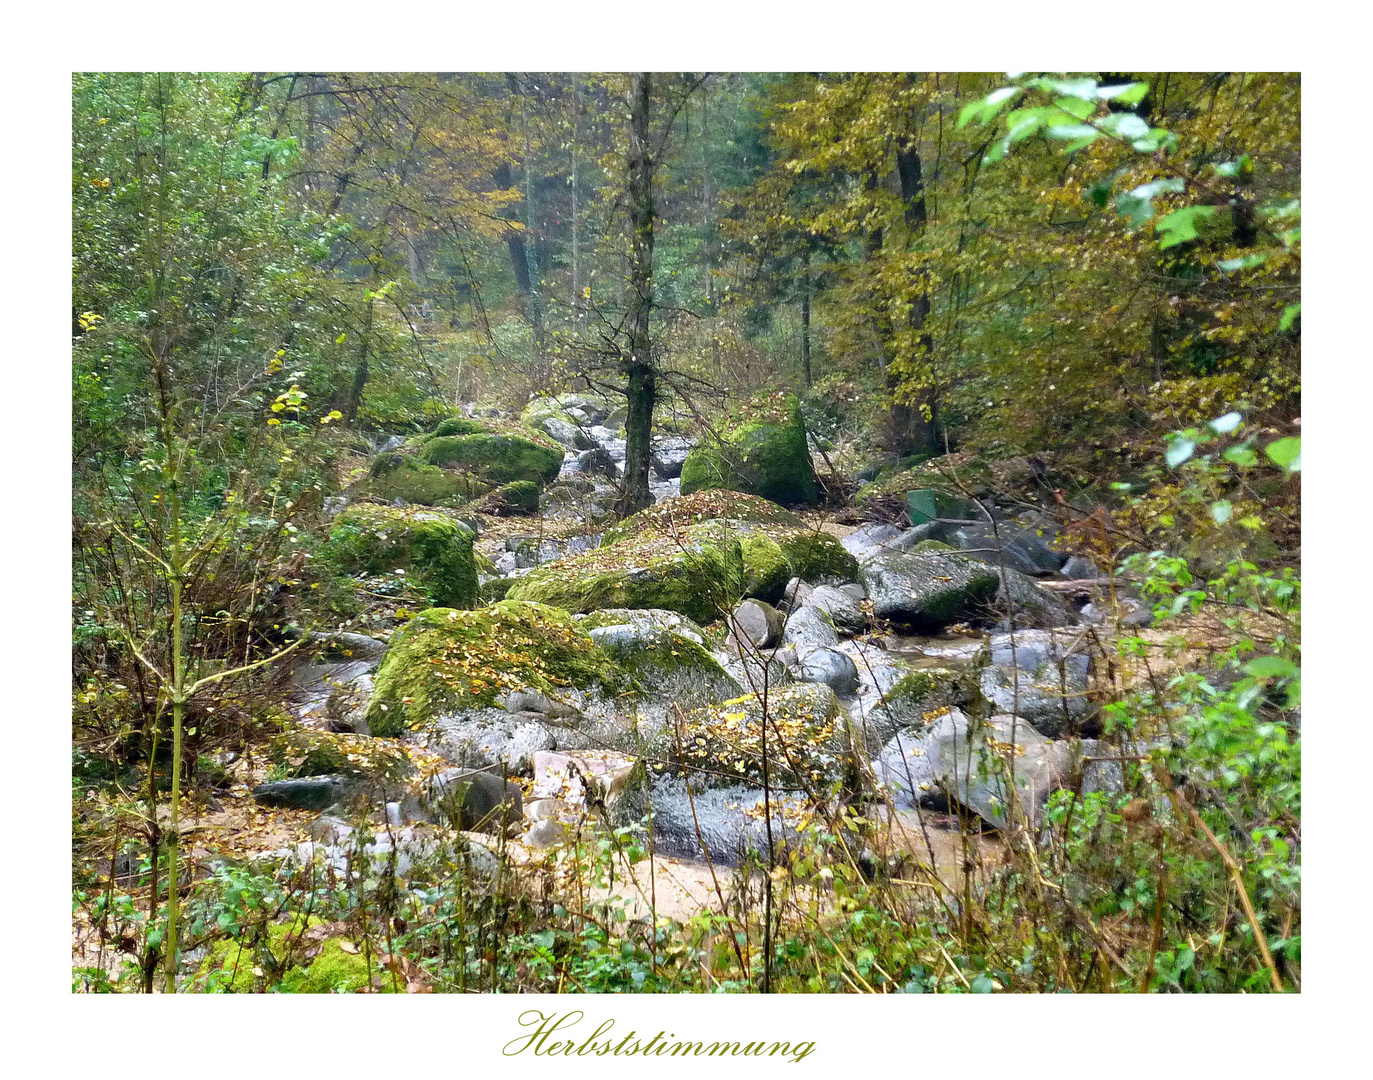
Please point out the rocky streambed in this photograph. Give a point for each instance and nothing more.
(576, 673)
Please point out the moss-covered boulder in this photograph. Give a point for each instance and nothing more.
(775, 544)
(928, 591)
(520, 497)
(405, 477)
(310, 752)
(698, 573)
(808, 740)
(445, 660)
(500, 456)
(669, 667)
(762, 451)
(919, 698)
(434, 549)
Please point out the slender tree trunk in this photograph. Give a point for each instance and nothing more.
(925, 418)
(576, 148)
(805, 315)
(642, 390)
(899, 418)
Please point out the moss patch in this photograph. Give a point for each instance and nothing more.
(378, 539)
(762, 452)
(400, 476)
(498, 457)
(317, 966)
(444, 660)
(698, 575)
(517, 497)
(775, 544)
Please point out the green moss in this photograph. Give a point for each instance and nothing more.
(399, 476)
(498, 457)
(494, 589)
(437, 550)
(517, 497)
(484, 565)
(457, 425)
(444, 660)
(229, 966)
(699, 576)
(930, 545)
(334, 971)
(763, 452)
(775, 544)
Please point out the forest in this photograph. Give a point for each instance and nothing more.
(686, 532)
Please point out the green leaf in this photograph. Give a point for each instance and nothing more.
(1125, 125)
(1289, 316)
(1286, 452)
(1086, 89)
(1179, 451)
(1181, 225)
(1078, 132)
(981, 985)
(1243, 456)
(1270, 667)
(1138, 205)
(1227, 423)
(1126, 93)
(1077, 108)
(1221, 511)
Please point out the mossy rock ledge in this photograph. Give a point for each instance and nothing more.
(775, 544)
(446, 661)
(434, 548)
(699, 574)
(762, 451)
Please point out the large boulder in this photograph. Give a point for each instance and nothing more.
(497, 454)
(698, 575)
(434, 549)
(404, 477)
(1047, 682)
(955, 759)
(928, 590)
(841, 608)
(775, 544)
(762, 451)
(446, 662)
(917, 698)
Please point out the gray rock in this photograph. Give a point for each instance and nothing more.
(726, 822)
(842, 609)
(756, 625)
(527, 700)
(565, 432)
(853, 590)
(809, 626)
(1035, 608)
(927, 591)
(868, 540)
(1050, 691)
(305, 793)
(794, 595)
(596, 462)
(392, 442)
(476, 800)
(477, 738)
(1023, 549)
(1079, 568)
(953, 759)
(817, 664)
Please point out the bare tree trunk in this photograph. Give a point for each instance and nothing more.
(805, 315)
(899, 419)
(642, 390)
(925, 419)
(576, 148)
